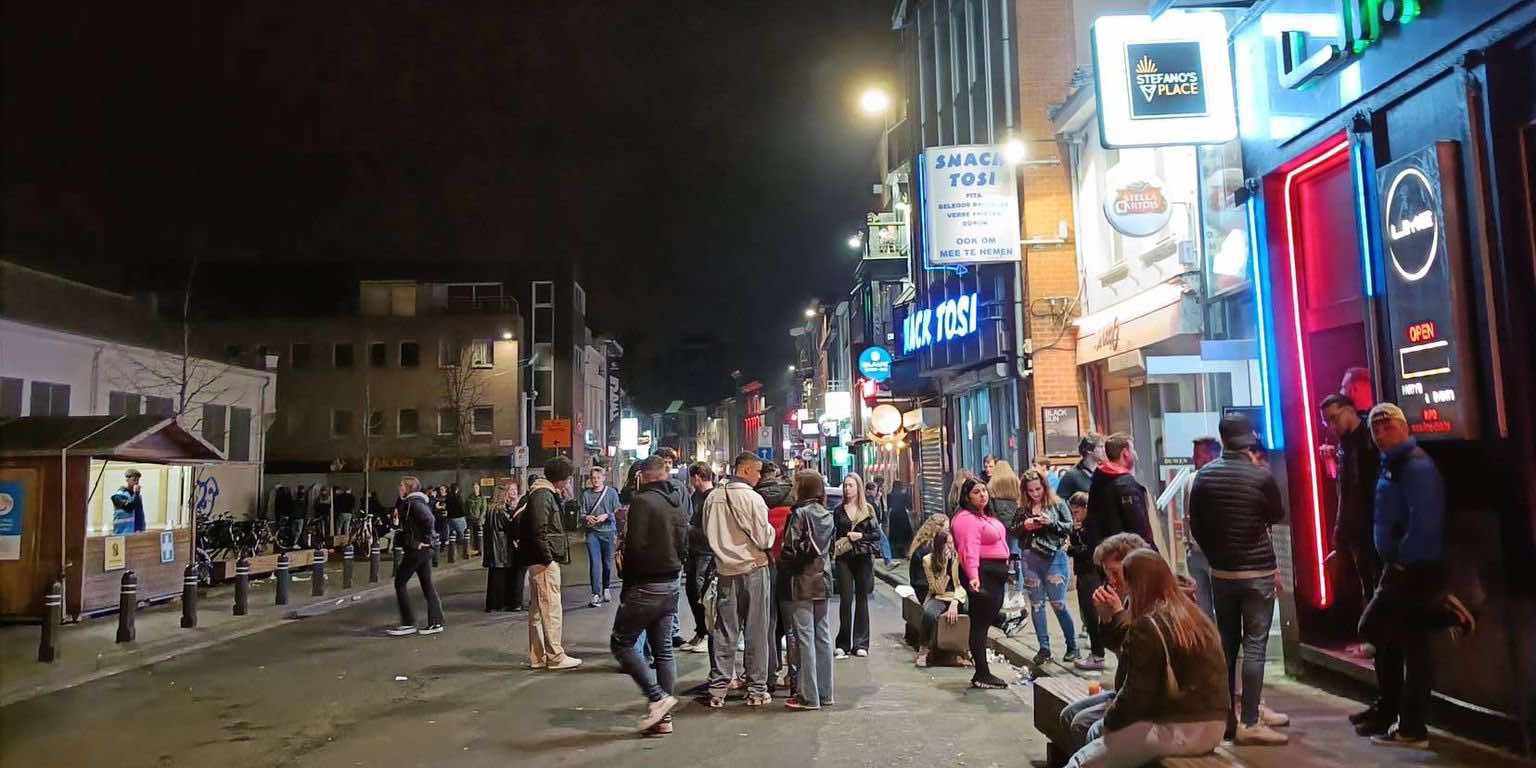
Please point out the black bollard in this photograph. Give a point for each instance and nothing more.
(373, 564)
(189, 597)
(283, 578)
(318, 580)
(53, 616)
(346, 567)
(394, 561)
(453, 547)
(127, 605)
(242, 586)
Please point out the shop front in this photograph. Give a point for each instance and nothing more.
(1389, 186)
(58, 477)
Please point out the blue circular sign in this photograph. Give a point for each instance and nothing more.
(875, 363)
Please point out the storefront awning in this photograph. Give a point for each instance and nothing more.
(131, 438)
(1157, 314)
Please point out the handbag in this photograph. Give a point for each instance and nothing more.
(1170, 680)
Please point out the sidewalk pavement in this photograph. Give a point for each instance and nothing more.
(1320, 731)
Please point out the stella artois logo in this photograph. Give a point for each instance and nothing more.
(1140, 197)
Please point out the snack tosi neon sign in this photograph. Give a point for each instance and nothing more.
(949, 319)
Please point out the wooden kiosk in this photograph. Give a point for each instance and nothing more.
(57, 477)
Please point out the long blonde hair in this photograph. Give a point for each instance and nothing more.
(862, 504)
(1048, 499)
(1005, 482)
(1155, 592)
(924, 535)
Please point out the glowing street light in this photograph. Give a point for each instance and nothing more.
(1014, 152)
(791, 368)
(506, 335)
(810, 311)
(855, 242)
(874, 101)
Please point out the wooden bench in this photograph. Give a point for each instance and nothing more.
(1053, 694)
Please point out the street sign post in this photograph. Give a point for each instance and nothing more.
(556, 433)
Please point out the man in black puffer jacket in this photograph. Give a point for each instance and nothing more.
(1233, 503)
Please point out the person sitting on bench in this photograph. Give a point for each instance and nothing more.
(1174, 700)
(1084, 719)
(942, 567)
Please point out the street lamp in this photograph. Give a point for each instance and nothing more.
(810, 311)
(874, 101)
(791, 368)
(506, 335)
(854, 241)
(1014, 152)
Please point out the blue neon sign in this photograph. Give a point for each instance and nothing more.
(875, 363)
(949, 319)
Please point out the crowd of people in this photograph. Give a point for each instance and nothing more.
(758, 554)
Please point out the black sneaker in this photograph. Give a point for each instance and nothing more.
(1378, 725)
(990, 682)
(432, 629)
(1369, 713)
(1396, 738)
(1042, 657)
(678, 641)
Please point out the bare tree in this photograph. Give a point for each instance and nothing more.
(465, 384)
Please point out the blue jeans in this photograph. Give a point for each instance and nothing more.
(600, 558)
(646, 610)
(1045, 579)
(1244, 610)
(1200, 573)
(459, 527)
(813, 639)
(1015, 567)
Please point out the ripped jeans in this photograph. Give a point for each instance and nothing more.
(1045, 579)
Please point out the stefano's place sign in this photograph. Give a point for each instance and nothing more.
(948, 319)
(1426, 289)
(970, 205)
(1163, 82)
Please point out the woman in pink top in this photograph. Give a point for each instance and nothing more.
(982, 541)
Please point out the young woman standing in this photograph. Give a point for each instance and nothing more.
(858, 541)
(1044, 528)
(808, 534)
(982, 543)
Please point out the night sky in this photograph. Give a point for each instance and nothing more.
(702, 163)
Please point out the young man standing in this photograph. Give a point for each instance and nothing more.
(128, 505)
(1233, 503)
(1411, 600)
(1205, 450)
(543, 547)
(1080, 477)
(415, 537)
(1116, 502)
(1359, 463)
(700, 564)
(599, 510)
(654, 545)
(736, 524)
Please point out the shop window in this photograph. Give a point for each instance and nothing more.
(124, 404)
(49, 399)
(378, 354)
(10, 398)
(239, 434)
(214, 424)
(483, 420)
(341, 355)
(163, 407)
(301, 356)
(341, 423)
(410, 354)
(409, 423)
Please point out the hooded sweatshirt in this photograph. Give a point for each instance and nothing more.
(736, 524)
(655, 536)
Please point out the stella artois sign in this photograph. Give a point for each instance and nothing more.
(1137, 207)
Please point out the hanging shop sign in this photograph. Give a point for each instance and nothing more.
(1136, 205)
(971, 206)
(1163, 82)
(949, 319)
(875, 363)
(1426, 291)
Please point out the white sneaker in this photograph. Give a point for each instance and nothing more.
(597, 600)
(1272, 718)
(401, 631)
(700, 645)
(861, 653)
(839, 654)
(656, 711)
(432, 629)
(1260, 735)
(569, 662)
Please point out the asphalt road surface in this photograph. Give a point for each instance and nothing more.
(324, 691)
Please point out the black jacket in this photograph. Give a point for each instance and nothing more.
(1231, 507)
(1116, 504)
(345, 503)
(655, 537)
(455, 504)
(1359, 468)
(540, 533)
(805, 562)
(868, 544)
(775, 493)
(1078, 478)
(416, 523)
(698, 541)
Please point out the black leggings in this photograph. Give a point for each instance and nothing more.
(985, 606)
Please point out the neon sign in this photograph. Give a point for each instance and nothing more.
(949, 319)
(1363, 24)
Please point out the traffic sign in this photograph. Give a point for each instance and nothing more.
(556, 433)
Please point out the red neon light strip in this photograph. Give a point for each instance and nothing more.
(1301, 363)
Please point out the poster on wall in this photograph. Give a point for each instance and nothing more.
(1163, 82)
(1426, 293)
(114, 553)
(13, 499)
(1060, 428)
(971, 205)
